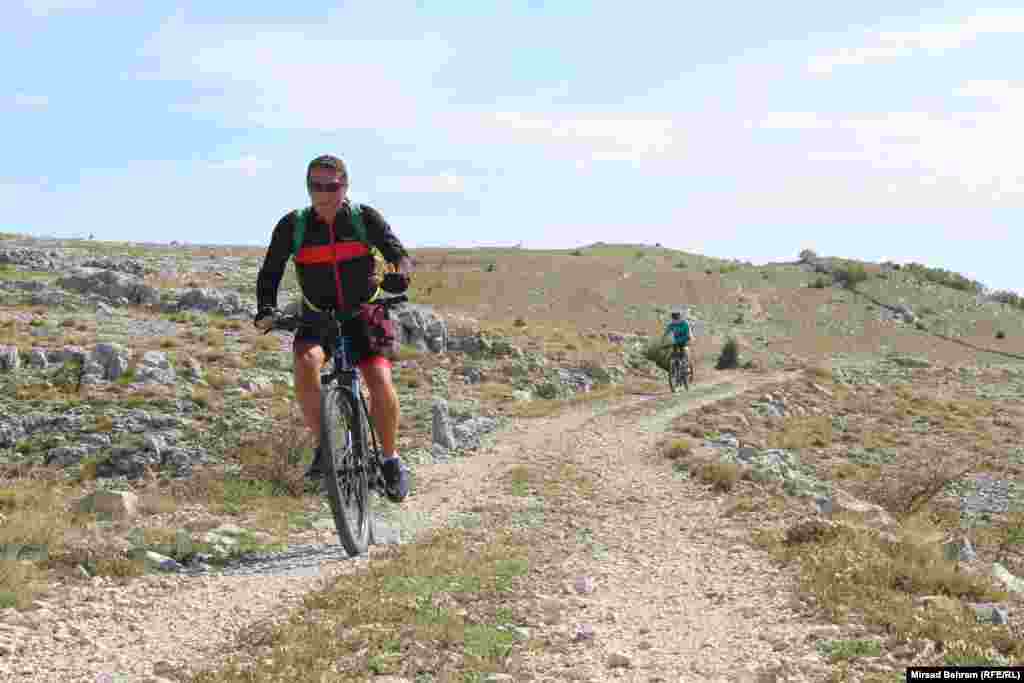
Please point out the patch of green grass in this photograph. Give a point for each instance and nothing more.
(442, 596)
(837, 650)
(520, 480)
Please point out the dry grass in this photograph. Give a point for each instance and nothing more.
(549, 407)
(678, 449)
(803, 432)
(721, 476)
(852, 571)
(432, 606)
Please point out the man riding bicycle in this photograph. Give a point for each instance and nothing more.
(335, 269)
(679, 328)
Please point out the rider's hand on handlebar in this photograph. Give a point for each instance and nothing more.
(265, 318)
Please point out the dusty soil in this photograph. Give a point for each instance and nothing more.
(676, 592)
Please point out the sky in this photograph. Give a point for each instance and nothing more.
(870, 130)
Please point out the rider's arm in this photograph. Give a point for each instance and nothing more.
(379, 234)
(280, 250)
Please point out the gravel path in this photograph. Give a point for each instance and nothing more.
(662, 572)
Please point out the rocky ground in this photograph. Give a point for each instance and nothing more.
(150, 497)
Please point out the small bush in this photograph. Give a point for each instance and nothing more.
(1000, 335)
(576, 252)
(729, 359)
(518, 322)
(678, 448)
(722, 476)
(850, 275)
(944, 277)
(1009, 298)
(681, 264)
(658, 353)
(490, 268)
(821, 282)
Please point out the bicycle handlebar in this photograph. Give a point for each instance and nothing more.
(290, 323)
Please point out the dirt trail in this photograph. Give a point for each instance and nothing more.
(676, 593)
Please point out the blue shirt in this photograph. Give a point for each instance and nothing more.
(680, 331)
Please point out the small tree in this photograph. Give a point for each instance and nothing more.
(851, 274)
(729, 359)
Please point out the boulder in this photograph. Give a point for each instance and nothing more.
(118, 504)
(110, 285)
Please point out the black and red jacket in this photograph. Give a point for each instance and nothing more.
(314, 262)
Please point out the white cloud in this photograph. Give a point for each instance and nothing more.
(44, 8)
(28, 101)
(607, 138)
(443, 183)
(311, 77)
(791, 120)
(249, 165)
(1000, 92)
(888, 45)
(913, 158)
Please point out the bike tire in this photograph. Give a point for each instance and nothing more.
(684, 373)
(672, 384)
(346, 473)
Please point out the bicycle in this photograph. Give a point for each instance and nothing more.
(679, 371)
(347, 433)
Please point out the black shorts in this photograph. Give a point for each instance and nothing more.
(308, 334)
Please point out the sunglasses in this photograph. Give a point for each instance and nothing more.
(333, 186)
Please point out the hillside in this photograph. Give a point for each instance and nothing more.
(897, 399)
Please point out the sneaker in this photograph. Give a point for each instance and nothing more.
(396, 479)
(315, 470)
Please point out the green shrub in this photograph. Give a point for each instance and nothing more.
(576, 252)
(1000, 335)
(821, 282)
(730, 357)
(490, 268)
(1008, 297)
(657, 352)
(943, 277)
(849, 275)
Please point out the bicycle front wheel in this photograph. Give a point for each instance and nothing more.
(673, 374)
(342, 438)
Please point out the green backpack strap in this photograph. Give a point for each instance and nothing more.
(302, 216)
(300, 229)
(357, 222)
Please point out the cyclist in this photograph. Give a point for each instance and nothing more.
(679, 328)
(335, 269)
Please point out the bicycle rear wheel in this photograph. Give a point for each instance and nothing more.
(673, 374)
(342, 436)
(684, 373)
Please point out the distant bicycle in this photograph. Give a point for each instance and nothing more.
(679, 370)
(347, 433)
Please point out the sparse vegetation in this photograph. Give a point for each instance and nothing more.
(850, 274)
(729, 358)
(943, 277)
(887, 436)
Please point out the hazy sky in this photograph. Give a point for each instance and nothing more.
(873, 130)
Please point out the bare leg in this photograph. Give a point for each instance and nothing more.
(309, 358)
(384, 407)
